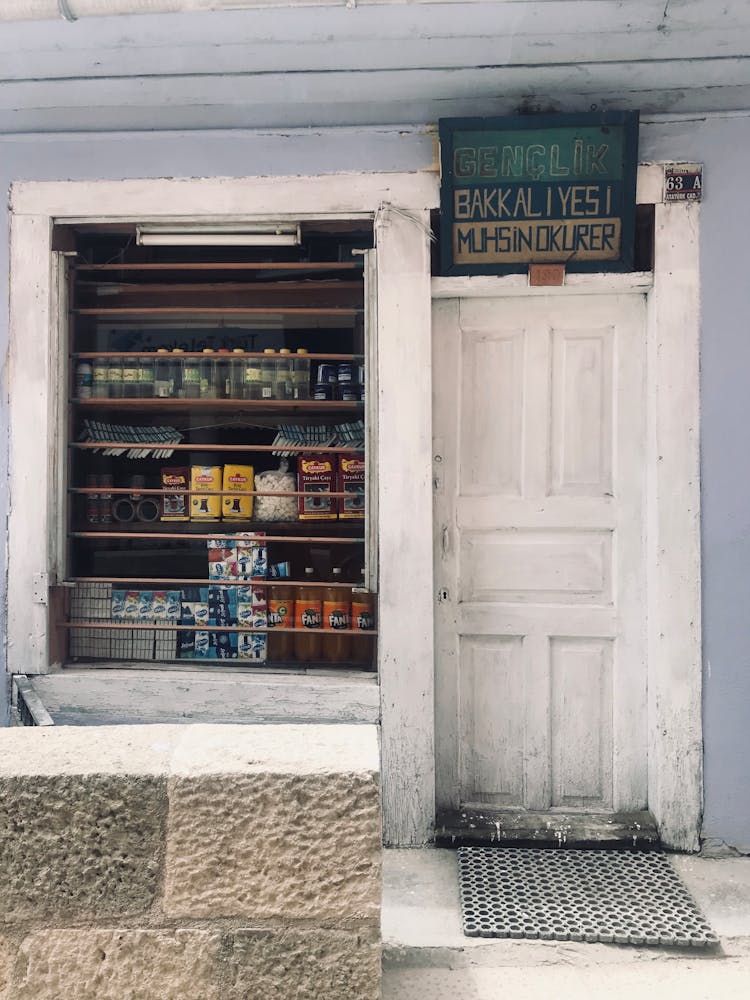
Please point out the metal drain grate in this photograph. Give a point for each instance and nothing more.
(578, 896)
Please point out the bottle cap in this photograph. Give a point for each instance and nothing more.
(208, 350)
(238, 350)
(285, 350)
(268, 350)
(163, 350)
(178, 350)
(302, 350)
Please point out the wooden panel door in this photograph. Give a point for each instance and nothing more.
(539, 553)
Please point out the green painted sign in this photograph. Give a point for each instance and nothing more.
(548, 189)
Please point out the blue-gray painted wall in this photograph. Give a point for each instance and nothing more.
(721, 144)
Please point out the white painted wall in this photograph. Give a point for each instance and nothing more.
(719, 142)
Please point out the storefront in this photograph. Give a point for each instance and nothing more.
(533, 509)
(45, 556)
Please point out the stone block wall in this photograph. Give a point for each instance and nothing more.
(190, 863)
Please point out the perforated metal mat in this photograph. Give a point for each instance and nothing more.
(553, 895)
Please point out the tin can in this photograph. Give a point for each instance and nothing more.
(105, 500)
(345, 373)
(84, 379)
(327, 373)
(348, 393)
(92, 501)
(323, 390)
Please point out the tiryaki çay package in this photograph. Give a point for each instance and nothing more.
(351, 479)
(316, 476)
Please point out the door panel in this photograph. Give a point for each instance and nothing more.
(539, 435)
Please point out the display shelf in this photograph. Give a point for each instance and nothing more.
(293, 266)
(232, 356)
(178, 537)
(271, 406)
(348, 311)
(105, 623)
(160, 304)
(205, 582)
(140, 491)
(247, 448)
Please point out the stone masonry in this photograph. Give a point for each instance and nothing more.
(190, 863)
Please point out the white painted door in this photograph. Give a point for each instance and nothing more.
(539, 422)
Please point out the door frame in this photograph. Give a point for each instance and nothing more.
(672, 515)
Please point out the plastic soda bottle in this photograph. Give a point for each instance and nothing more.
(308, 612)
(281, 615)
(337, 610)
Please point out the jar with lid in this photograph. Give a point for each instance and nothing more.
(237, 373)
(178, 372)
(191, 378)
(251, 387)
(100, 383)
(114, 378)
(268, 374)
(301, 375)
(146, 377)
(284, 375)
(162, 374)
(208, 374)
(131, 377)
(223, 374)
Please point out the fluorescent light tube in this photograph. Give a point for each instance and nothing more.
(221, 236)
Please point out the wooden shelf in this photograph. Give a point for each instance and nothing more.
(275, 406)
(219, 311)
(169, 536)
(181, 582)
(141, 491)
(101, 623)
(308, 285)
(300, 266)
(231, 356)
(295, 449)
(349, 528)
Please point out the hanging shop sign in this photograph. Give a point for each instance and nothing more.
(538, 189)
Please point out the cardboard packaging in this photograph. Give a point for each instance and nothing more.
(351, 479)
(238, 506)
(316, 475)
(205, 506)
(174, 505)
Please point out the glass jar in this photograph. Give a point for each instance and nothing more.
(237, 365)
(114, 378)
(283, 388)
(146, 377)
(163, 374)
(100, 384)
(208, 374)
(251, 386)
(191, 378)
(301, 375)
(223, 374)
(268, 382)
(131, 377)
(178, 372)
